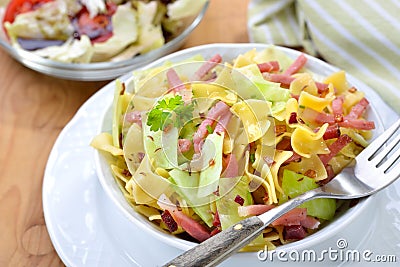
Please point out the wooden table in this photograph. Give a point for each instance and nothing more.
(34, 109)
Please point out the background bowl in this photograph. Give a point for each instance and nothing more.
(103, 70)
(229, 52)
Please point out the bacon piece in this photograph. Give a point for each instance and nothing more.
(331, 175)
(333, 131)
(337, 107)
(169, 221)
(215, 231)
(284, 144)
(310, 222)
(296, 65)
(312, 115)
(293, 217)
(207, 67)
(222, 123)
(231, 166)
(335, 147)
(293, 118)
(175, 83)
(285, 81)
(216, 221)
(358, 109)
(215, 112)
(294, 232)
(191, 226)
(254, 210)
(134, 117)
(268, 66)
(184, 145)
(358, 124)
(295, 157)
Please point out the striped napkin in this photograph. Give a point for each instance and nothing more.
(361, 37)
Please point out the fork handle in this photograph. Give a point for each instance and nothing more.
(219, 247)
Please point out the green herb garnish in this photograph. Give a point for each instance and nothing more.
(209, 129)
(169, 111)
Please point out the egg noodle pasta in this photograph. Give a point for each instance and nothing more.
(199, 145)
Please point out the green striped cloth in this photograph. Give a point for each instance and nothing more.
(361, 37)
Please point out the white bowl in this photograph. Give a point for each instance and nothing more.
(229, 52)
(101, 71)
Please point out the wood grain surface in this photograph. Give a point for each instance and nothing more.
(34, 108)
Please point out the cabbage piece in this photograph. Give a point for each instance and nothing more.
(125, 32)
(227, 208)
(72, 51)
(187, 185)
(294, 184)
(149, 36)
(184, 8)
(161, 147)
(50, 21)
(120, 104)
(212, 164)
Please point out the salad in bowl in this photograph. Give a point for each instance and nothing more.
(200, 144)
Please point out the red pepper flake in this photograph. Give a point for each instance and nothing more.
(126, 173)
(151, 138)
(239, 200)
(142, 173)
(169, 221)
(157, 149)
(293, 118)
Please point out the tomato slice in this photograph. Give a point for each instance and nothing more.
(16, 7)
(98, 28)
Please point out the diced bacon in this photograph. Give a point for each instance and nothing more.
(215, 231)
(207, 67)
(216, 221)
(293, 217)
(357, 110)
(284, 144)
(294, 232)
(335, 148)
(293, 118)
(134, 117)
(310, 222)
(296, 65)
(358, 124)
(294, 158)
(184, 145)
(215, 112)
(238, 199)
(337, 107)
(333, 131)
(191, 226)
(231, 166)
(268, 66)
(222, 123)
(254, 210)
(280, 129)
(175, 83)
(169, 221)
(323, 88)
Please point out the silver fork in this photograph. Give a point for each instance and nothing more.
(375, 168)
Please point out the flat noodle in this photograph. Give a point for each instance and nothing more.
(104, 142)
(305, 142)
(303, 83)
(306, 164)
(133, 147)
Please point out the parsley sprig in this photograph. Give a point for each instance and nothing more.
(169, 111)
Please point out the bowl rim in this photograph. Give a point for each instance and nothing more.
(116, 196)
(56, 68)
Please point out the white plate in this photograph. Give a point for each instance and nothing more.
(87, 229)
